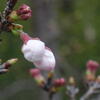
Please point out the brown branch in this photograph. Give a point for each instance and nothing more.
(4, 23)
(9, 7)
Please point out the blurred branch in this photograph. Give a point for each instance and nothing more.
(91, 91)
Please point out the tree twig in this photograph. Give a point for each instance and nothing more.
(90, 91)
(4, 23)
(9, 7)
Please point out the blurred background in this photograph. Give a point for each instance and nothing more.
(69, 27)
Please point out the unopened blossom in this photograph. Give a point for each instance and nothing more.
(35, 51)
(92, 65)
(71, 81)
(36, 74)
(59, 82)
(24, 12)
(47, 62)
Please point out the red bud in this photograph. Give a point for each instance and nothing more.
(59, 82)
(92, 65)
(62, 81)
(34, 72)
(24, 12)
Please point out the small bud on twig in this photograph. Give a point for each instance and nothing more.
(37, 76)
(92, 65)
(23, 13)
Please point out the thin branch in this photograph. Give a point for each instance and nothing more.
(4, 23)
(90, 91)
(9, 7)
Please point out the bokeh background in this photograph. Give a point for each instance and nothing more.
(71, 28)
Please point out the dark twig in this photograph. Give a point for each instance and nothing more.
(9, 7)
(4, 23)
(92, 89)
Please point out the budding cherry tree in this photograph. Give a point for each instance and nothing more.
(35, 51)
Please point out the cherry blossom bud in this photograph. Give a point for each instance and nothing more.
(59, 82)
(72, 81)
(37, 76)
(33, 50)
(12, 61)
(47, 62)
(62, 81)
(9, 63)
(34, 72)
(25, 16)
(92, 65)
(24, 12)
(56, 82)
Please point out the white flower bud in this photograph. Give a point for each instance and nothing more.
(47, 62)
(33, 50)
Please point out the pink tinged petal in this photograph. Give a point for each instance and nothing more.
(34, 72)
(24, 9)
(47, 62)
(25, 37)
(35, 38)
(62, 81)
(59, 82)
(47, 48)
(26, 16)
